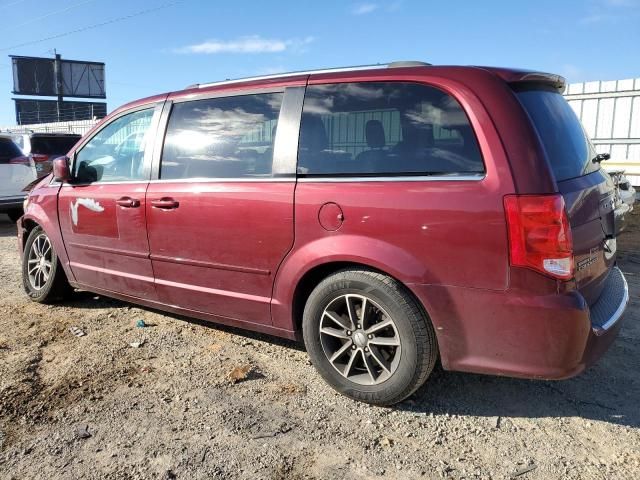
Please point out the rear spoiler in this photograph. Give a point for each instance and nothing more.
(547, 79)
(529, 78)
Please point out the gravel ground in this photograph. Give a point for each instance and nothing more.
(96, 407)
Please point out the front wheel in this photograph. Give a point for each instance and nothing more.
(43, 278)
(368, 338)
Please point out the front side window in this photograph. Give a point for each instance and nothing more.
(230, 137)
(385, 128)
(116, 153)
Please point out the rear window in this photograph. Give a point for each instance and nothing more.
(8, 150)
(568, 147)
(53, 145)
(383, 129)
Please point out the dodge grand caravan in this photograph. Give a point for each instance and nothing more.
(389, 216)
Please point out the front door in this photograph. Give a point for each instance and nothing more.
(102, 211)
(220, 220)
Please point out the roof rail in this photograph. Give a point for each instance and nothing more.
(309, 72)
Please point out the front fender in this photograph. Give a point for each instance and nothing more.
(362, 250)
(43, 210)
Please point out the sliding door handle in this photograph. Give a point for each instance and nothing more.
(165, 203)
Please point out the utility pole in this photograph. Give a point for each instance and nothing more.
(58, 73)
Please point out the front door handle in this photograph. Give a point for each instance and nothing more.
(165, 203)
(128, 202)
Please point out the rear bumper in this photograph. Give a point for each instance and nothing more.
(606, 313)
(520, 335)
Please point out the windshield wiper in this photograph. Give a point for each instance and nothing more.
(601, 157)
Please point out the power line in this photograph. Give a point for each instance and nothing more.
(11, 4)
(90, 27)
(50, 14)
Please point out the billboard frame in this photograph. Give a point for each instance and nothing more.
(58, 80)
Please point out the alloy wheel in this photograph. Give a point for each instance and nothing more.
(360, 339)
(39, 262)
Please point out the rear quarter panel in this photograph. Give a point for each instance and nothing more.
(448, 232)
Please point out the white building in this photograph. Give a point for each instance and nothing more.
(610, 113)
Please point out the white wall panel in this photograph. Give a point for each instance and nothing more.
(634, 131)
(610, 113)
(618, 153)
(575, 88)
(621, 117)
(589, 115)
(577, 107)
(605, 118)
(624, 85)
(591, 87)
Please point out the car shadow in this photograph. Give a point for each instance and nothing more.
(87, 300)
(605, 392)
(601, 393)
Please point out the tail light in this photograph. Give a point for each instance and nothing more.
(540, 234)
(20, 161)
(39, 157)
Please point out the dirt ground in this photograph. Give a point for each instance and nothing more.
(96, 407)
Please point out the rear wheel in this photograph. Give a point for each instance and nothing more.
(43, 278)
(367, 337)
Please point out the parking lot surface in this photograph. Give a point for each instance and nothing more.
(191, 400)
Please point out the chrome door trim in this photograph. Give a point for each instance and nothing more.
(395, 178)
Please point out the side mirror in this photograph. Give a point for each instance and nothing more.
(61, 172)
(601, 157)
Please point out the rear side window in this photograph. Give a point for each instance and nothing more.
(8, 150)
(385, 128)
(230, 137)
(53, 145)
(567, 146)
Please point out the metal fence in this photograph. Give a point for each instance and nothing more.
(610, 113)
(79, 126)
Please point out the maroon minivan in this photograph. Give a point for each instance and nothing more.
(388, 215)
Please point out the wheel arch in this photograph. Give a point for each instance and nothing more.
(312, 277)
(28, 224)
(316, 259)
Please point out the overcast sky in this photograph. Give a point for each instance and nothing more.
(166, 45)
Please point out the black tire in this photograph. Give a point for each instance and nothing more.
(14, 215)
(55, 287)
(417, 352)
